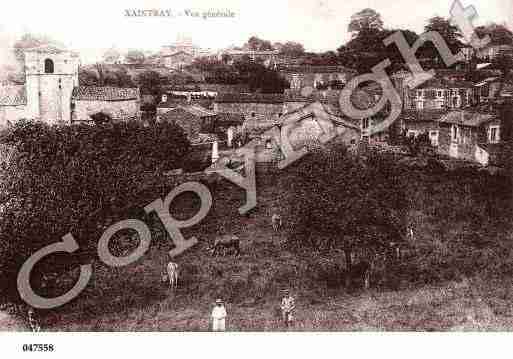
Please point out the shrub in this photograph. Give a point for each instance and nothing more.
(63, 179)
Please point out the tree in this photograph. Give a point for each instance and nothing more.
(135, 56)
(29, 41)
(337, 201)
(256, 44)
(365, 19)
(504, 63)
(105, 75)
(449, 32)
(112, 55)
(260, 78)
(72, 178)
(499, 34)
(292, 49)
(150, 83)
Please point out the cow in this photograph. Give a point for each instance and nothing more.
(225, 242)
(172, 275)
(276, 221)
(359, 274)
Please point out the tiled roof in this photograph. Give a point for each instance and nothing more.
(423, 116)
(313, 109)
(230, 118)
(199, 111)
(316, 69)
(13, 95)
(249, 98)
(325, 96)
(467, 118)
(175, 102)
(445, 84)
(93, 93)
(178, 53)
(177, 114)
(204, 138)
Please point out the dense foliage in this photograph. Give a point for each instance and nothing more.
(70, 179)
(345, 203)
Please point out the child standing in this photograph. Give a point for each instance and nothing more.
(287, 308)
(219, 316)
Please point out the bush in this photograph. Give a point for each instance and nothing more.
(63, 179)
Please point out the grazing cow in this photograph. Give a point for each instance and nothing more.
(360, 274)
(276, 221)
(172, 275)
(225, 242)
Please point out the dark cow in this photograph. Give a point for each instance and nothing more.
(225, 242)
(359, 275)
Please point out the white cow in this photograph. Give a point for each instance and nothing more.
(172, 275)
(276, 221)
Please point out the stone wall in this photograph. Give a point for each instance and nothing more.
(12, 114)
(267, 110)
(117, 110)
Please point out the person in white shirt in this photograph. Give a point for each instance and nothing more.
(218, 316)
(287, 308)
(33, 322)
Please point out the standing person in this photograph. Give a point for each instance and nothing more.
(34, 325)
(219, 316)
(287, 308)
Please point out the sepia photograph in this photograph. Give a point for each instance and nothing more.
(261, 167)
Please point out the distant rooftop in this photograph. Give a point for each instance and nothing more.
(94, 93)
(467, 118)
(249, 98)
(314, 68)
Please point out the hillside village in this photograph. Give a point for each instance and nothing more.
(188, 107)
(459, 109)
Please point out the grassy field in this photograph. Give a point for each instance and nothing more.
(459, 278)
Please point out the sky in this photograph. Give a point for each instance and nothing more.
(92, 26)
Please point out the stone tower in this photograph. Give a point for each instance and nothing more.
(50, 76)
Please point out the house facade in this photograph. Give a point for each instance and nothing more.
(118, 104)
(250, 105)
(316, 77)
(462, 134)
(441, 94)
(193, 119)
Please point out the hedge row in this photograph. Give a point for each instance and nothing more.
(61, 179)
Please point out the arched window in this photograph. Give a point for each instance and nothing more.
(48, 66)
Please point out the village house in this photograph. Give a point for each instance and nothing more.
(316, 77)
(250, 105)
(116, 104)
(488, 89)
(177, 60)
(494, 49)
(266, 57)
(181, 53)
(193, 119)
(169, 101)
(441, 94)
(462, 134)
(309, 123)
